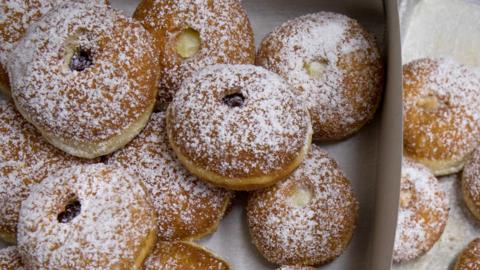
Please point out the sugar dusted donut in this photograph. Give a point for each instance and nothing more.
(471, 183)
(17, 15)
(423, 212)
(307, 219)
(192, 34)
(187, 208)
(10, 259)
(85, 77)
(25, 159)
(335, 67)
(441, 116)
(238, 126)
(87, 217)
(184, 256)
(469, 258)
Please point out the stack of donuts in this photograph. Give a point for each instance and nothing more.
(441, 134)
(124, 140)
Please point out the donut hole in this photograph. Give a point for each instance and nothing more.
(188, 43)
(429, 103)
(315, 69)
(81, 60)
(234, 100)
(300, 196)
(71, 210)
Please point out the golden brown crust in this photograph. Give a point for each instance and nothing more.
(469, 259)
(184, 256)
(224, 30)
(187, 208)
(99, 104)
(307, 219)
(113, 226)
(345, 95)
(441, 123)
(471, 184)
(10, 259)
(240, 147)
(423, 212)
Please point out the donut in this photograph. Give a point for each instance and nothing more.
(25, 159)
(187, 208)
(307, 219)
(471, 183)
(469, 258)
(296, 267)
(422, 215)
(184, 256)
(238, 127)
(87, 217)
(10, 259)
(191, 35)
(334, 66)
(441, 116)
(85, 76)
(17, 15)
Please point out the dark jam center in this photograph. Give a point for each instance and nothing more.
(81, 60)
(234, 100)
(71, 211)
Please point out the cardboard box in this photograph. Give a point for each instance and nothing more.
(371, 159)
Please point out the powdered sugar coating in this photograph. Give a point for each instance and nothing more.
(25, 159)
(94, 105)
(469, 259)
(10, 259)
(441, 116)
(347, 93)
(225, 33)
(258, 138)
(423, 212)
(184, 256)
(187, 208)
(112, 228)
(314, 233)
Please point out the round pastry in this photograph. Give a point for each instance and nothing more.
(193, 34)
(184, 256)
(16, 17)
(471, 183)
(335, 67)
(469, 259)
(422, 215)
(307, 219)
(87, 217)
(441, 116)
(10, 259)
(187, 208)
(25, 159)
(238, 126)
(90, 89)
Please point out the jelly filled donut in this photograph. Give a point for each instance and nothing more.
(238, 126)
(441, 119)
(307, 219)
(87, 217)
(85, 76)
(184, 256)
(469, 259)
(471, 183)
(423, 212)
(10, 259)
(193, 34)
(187, 208)
(25, 159)
(335, 67)
(17, 15)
